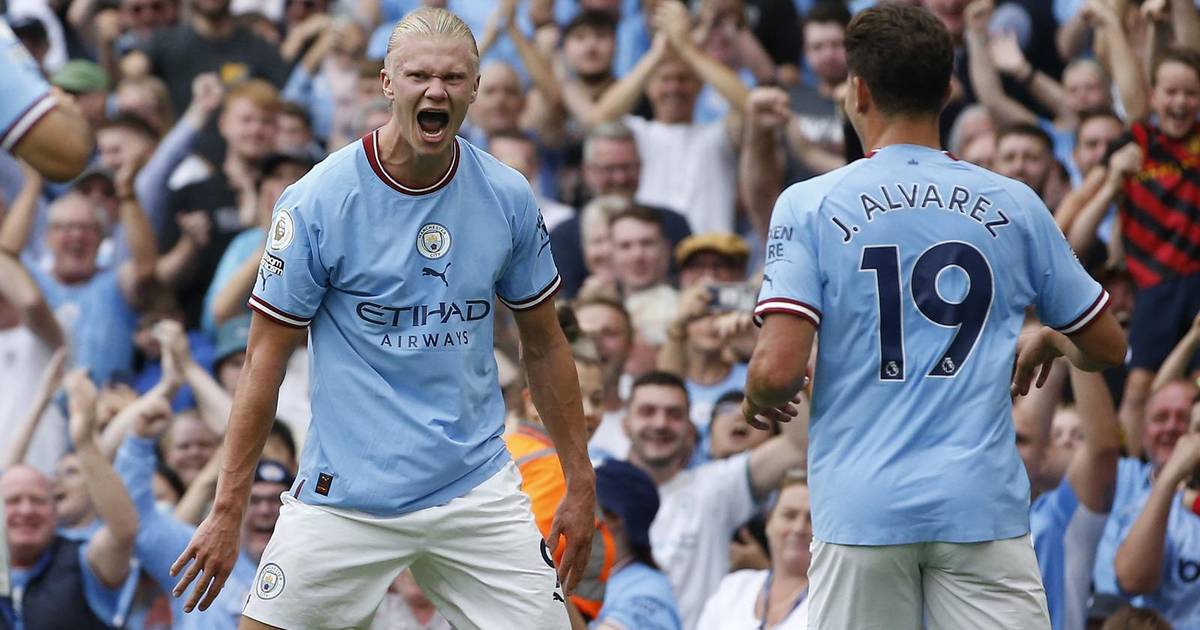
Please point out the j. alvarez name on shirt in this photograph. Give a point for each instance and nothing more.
(900, 197)
(420, 315)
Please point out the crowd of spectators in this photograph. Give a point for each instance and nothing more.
(656, 135)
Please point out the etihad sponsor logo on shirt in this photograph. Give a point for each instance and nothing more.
(418, 315)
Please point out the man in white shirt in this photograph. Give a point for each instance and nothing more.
(688, 167)
(700, 508)
(29, 335)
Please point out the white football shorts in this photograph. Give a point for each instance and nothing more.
(480, 558)
(940, 586)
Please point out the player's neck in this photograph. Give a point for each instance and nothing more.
(397, 157)
(880, 132)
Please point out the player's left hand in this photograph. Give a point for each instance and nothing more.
(762, 417)
(1036, 352)
(575, 520)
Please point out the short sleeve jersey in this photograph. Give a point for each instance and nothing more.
(1178, 595)
(26, 94)
(397, 287)
(918, 268)
(639, 598)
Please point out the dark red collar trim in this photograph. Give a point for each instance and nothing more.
(370, 144)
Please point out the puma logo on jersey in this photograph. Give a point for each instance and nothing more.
(429, 271)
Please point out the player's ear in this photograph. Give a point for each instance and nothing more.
(475, 89)
(862, 94)
(385, 80)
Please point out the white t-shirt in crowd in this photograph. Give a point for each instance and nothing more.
(699, 512)
(688, 168)
(731, 607)
(23, 358)
(610, 439)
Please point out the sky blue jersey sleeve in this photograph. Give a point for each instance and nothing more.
(1068, 299)
(791, 275)
(26, 96)
(160, 538)
(110, 604)
(291, 276)
(530, 276)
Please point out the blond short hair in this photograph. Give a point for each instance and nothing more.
(432, 22)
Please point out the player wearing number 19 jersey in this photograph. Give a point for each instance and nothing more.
(917, 269)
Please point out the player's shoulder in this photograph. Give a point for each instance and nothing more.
(484, 169)
(809, 195)
(327, 184)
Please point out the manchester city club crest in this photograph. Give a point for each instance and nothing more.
(433, 241)
(270, 582)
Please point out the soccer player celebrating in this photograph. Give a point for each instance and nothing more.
(918, 269)
(390, 253)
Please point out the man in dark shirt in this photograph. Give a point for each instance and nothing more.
(611, 166)
(209, 41)
(210, 212)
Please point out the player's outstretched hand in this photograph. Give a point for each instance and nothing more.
(211, 554)
(762, 417)
(575, 519)
(1036, 352)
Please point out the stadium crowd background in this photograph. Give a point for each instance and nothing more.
(656, 138)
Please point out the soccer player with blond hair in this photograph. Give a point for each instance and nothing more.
(389, 255)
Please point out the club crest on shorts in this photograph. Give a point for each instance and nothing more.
(282, 230)
(270, 582)
(433, 241)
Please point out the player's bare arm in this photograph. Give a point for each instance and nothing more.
(554, 385)
(60, 144)
(214, 547)
(1099, 346)
(777, 370)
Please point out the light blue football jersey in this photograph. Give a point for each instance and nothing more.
(26, 96)
(1065, 534)
(397, 288)
(1134, 481)
(918, 268)
(1178, 596)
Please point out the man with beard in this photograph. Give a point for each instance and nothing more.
(694, 552)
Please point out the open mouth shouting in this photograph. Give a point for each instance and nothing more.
(434, 124)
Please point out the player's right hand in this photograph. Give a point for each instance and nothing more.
(211, 554)
(761, 417)
(1036, 353)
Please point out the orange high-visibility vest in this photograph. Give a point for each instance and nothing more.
(542, 479)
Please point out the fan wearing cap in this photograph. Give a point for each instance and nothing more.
(638, 596)
(161, 537)
(47, 132)
(712, 272)
(88, 83)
